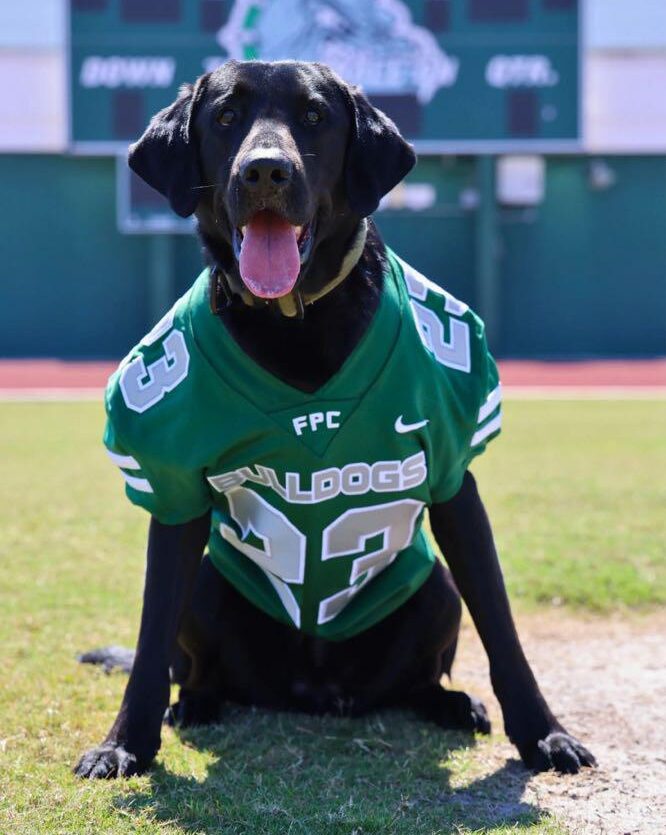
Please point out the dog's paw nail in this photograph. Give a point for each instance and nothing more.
(561, 752)
(106, 761)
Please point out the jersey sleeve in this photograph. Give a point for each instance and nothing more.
(463, 390)
(171, 494)
(150, 450)
(489, 414)
(473, 411)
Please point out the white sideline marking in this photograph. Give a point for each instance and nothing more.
(585, 392)
(30, 395)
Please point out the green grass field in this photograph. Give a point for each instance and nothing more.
(576, 492)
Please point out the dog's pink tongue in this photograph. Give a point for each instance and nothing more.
(269, 259)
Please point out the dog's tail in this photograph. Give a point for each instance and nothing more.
(110, 658)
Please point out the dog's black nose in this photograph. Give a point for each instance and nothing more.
(266, 169)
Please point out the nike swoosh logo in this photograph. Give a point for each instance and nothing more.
(408, 427)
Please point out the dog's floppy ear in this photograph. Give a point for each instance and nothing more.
(377, 155)
(166, 157)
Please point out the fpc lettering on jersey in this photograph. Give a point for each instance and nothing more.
(331, 420)
(350, 480)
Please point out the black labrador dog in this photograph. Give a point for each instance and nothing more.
(294, 140)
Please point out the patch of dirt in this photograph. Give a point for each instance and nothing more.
(606, 682)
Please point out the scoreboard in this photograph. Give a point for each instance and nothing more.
(457, 76)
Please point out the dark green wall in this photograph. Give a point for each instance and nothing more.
(70, 284)
(438, 241)
(584, 274)
(581, 275)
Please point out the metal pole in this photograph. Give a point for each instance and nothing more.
(486, 251)
(161, 284)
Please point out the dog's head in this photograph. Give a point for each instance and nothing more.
(278, 161)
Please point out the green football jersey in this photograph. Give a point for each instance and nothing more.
(317, 498)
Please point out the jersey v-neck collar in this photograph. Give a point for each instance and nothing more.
(266, 391)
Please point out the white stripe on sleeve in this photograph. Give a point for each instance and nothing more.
(488, 429)
(140, 484)
(492, 402)
(125, 461)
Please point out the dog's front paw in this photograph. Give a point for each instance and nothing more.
(106, 761)
(559, 751)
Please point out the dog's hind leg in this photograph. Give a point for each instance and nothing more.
(447, 657)
(194, 708)
(421, 638)
(229, 651)
(449, 709)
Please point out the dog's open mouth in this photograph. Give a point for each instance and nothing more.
(270, 253)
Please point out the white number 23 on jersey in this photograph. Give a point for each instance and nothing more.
(143, 386)
(283, 554)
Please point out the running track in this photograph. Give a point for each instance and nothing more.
(61, 380)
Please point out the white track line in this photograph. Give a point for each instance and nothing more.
(59, 395)
(33, 395)
(585, 392)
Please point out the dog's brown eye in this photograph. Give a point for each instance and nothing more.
(226, 117)
(312, 116)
